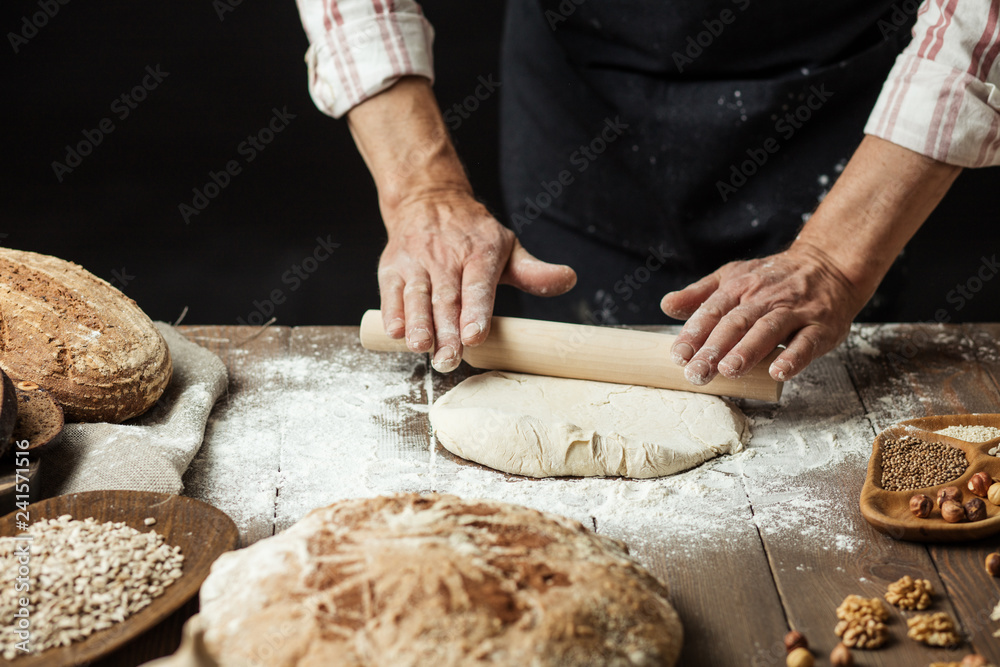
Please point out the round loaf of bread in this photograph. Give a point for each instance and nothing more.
(79, 338)
(412, 579)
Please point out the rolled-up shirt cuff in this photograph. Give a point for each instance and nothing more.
(355, 61)
(939, 111)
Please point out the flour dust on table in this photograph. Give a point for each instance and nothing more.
(541, 426)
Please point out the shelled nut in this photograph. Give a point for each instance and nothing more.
(921, 506)
(800, 657)
(974, 660)
(841, 656)
(993, 564)
(975, 509)
(980, 484)
(949, 493)
(910, 593)
(794, 640)
(952, 512)
(936, 629)
(993, 495)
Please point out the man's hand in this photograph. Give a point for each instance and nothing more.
(808, 295)
(739, 313)
(439, 272)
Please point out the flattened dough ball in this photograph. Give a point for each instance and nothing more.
(542, 426)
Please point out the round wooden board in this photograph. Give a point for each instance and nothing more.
(201, 531)
(889, 511)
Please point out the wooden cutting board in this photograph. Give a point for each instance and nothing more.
(889, 511)
(201, 531)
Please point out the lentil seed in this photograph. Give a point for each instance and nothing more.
(909, 463)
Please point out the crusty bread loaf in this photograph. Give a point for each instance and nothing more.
(39, 416)
(79, 338)
(433, 580)
(8, 413)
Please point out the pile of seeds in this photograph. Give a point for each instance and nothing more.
(84, 576)
(909, 463)
(971, 433)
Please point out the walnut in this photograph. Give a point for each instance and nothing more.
(910, 593)
(933, 629)
(862, 622)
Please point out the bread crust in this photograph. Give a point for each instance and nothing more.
(411, 579)
(78, 338)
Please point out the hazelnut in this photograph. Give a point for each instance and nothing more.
(841, 656)
(800, 657)
(794, 640)
(980, 484)
(952, 512)
(921, 506)
(993, 495)
(974, 660)
(993, 564)
(949, 493)
(975, 509)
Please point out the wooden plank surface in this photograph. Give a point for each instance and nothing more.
(704, 575)
(806, 506)
(311, 418)
(236, 468)
(932, 370)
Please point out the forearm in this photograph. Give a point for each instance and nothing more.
(876, 206)
(403, 139)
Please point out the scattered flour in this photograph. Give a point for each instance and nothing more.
(355, 425)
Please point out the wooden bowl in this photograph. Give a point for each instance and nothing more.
(201, 531)
(889, 511)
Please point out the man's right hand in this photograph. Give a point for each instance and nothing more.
(446, 254)
(439, 272)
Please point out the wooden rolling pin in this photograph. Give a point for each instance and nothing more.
(623, 356)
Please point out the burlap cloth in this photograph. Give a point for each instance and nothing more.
(152, 451)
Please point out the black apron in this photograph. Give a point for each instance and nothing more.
(647, 143)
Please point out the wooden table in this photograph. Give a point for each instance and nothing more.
(737, 596)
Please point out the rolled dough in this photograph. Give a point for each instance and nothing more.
(547, 427)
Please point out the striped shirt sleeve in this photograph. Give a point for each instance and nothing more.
(358, 48)
(942, 98)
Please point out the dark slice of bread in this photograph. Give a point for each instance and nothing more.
(39, 417)
(8, 413)
(79, 338)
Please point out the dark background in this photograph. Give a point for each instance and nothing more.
(117, 213)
